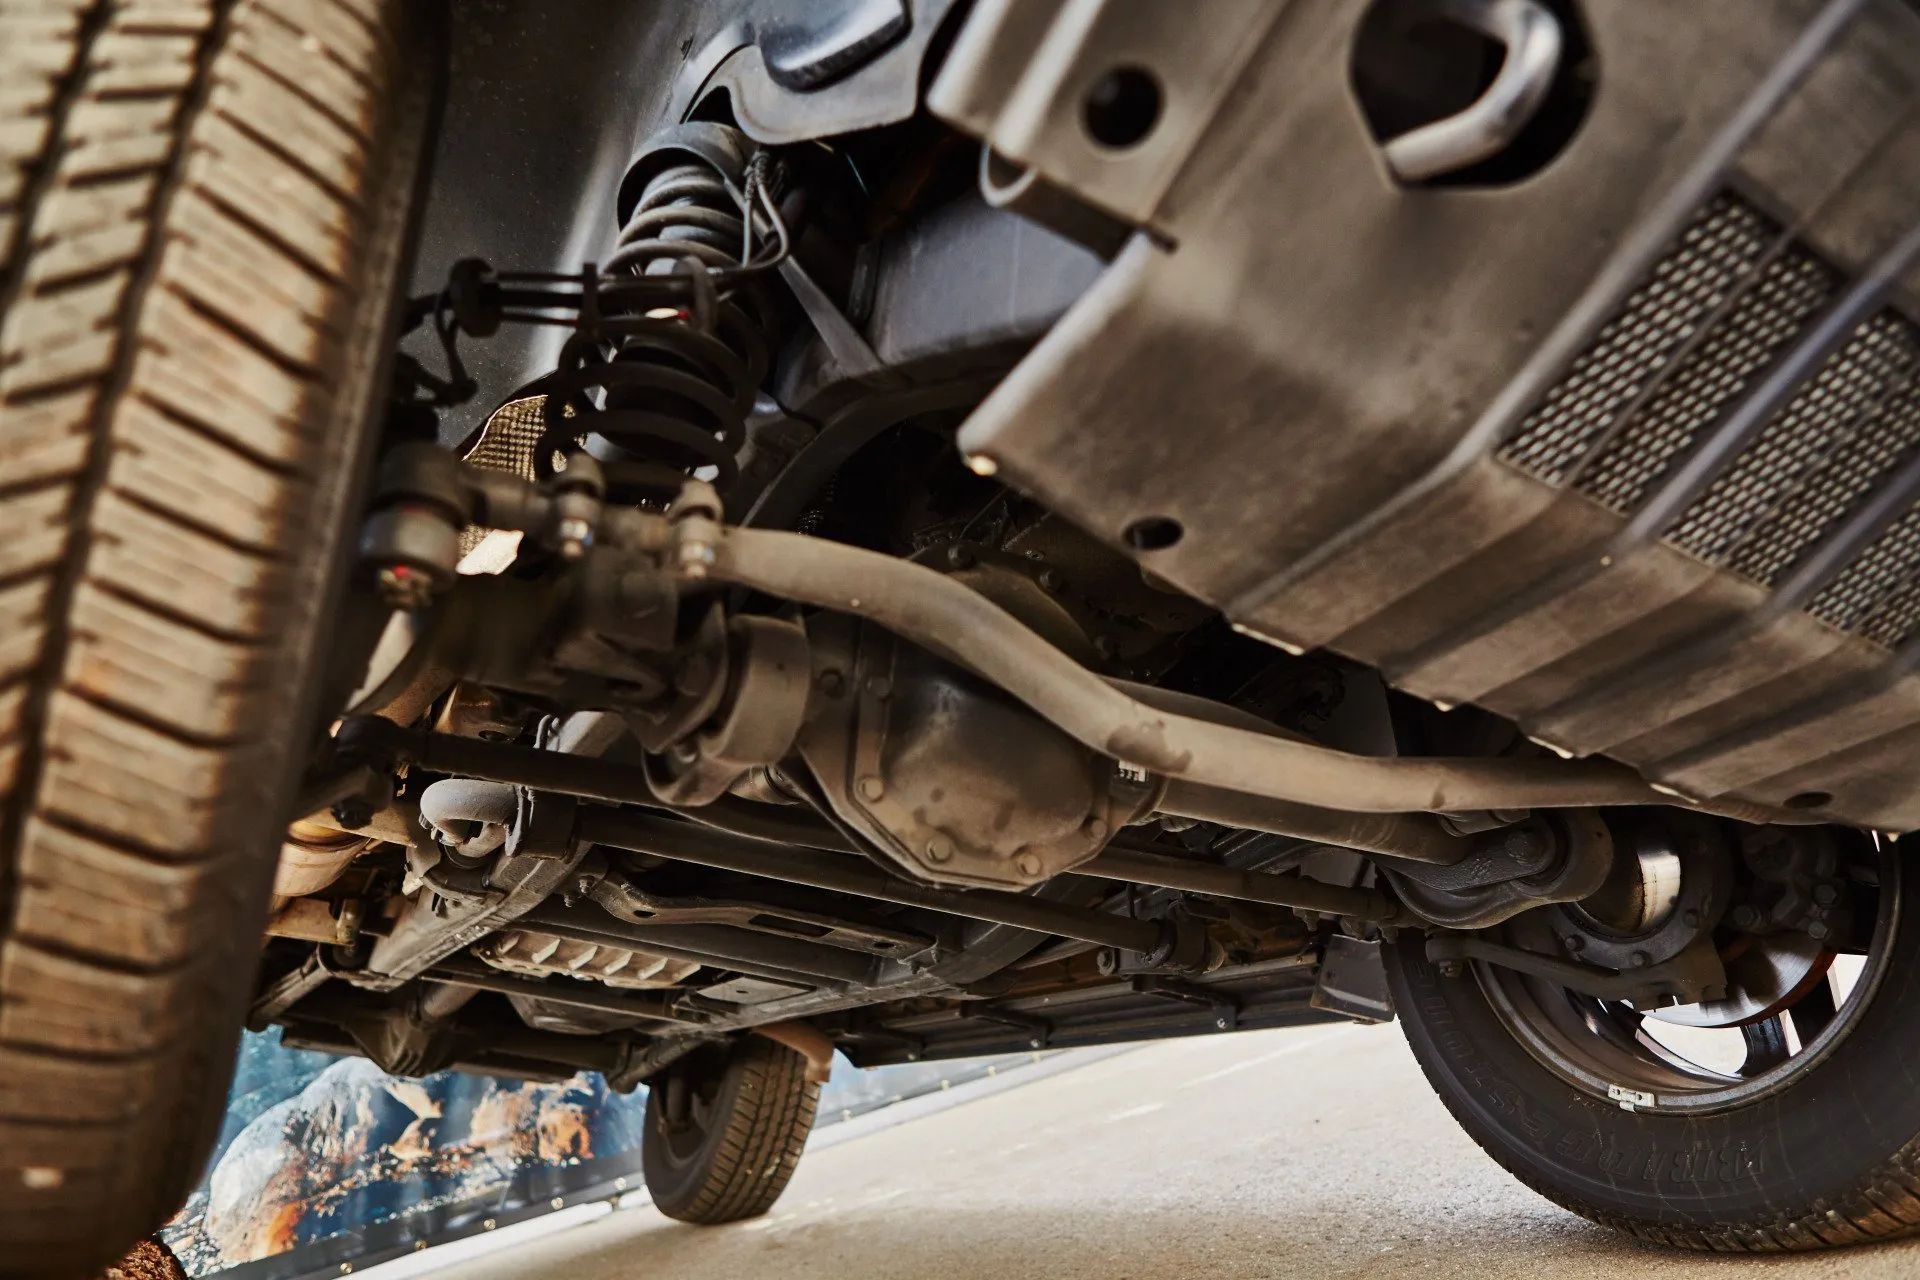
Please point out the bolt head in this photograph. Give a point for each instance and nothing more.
(1826, 893)
(1639, 960)
(1094, 828)
(960, 556)
(404, 587)
(1028, 864)
(1744, 916)
(832, 683)
(1451, 968)
(1819, 930)
(1220, 1023)
(1574, 943)
(696, 559)
(871, 788)
(939, 849)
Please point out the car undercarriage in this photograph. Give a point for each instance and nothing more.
(929, 529)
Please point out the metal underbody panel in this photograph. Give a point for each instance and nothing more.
(1627, 450)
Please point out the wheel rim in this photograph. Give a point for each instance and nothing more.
(1657, 1061)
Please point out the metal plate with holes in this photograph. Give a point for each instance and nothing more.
(1521, 443)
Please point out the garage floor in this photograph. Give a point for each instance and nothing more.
(1312, 1153)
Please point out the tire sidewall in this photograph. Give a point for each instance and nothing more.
(1819, 1140)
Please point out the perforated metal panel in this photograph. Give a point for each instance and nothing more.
(1716, 252)
(1758, 322)
(1731, 296)
(1864, 597)
(506, 444)
(1876, 440)
(1808, 431)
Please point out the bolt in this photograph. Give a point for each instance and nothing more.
(696, 559)
(405, 588)
(557, 1203)
(1094, 829)
(1035, 1042)
(353, 813)
(880, 686)
(1050, 580)
(1106, 961)
(832, 683)
(871, 788)
(575, 536)
(1744, 916)
(489, 1224)
(1826, 893)
(1451, 968)
(1639, 960)
(1574, 943)
(1028, 864)
(1819, 930)
(960, 556)
(939, 848)
(1220, 1023)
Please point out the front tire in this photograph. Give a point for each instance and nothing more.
(204, 210)
(1827, 1153)
(724, 1131)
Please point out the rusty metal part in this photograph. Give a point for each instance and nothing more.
(829, 924)
(532, 953)
(947, 776)
(757, 955)
(1415, 837)
(806, 1040)
(312, 857)
(756, 722)
(1247, 886)
(461, 972)
(1561, 858)
(665, 838)
(312, 920)
(950, 620)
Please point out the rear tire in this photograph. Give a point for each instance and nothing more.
(1829, 1157)
(204, 208)
(725, 1149)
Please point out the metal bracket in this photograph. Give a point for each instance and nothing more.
(1225, 1009)
(1041, 1030)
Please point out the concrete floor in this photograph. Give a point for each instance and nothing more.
(1312, 1153)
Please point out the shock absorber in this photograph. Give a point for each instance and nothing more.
(663, 394)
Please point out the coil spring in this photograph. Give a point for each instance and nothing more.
(667, 394)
